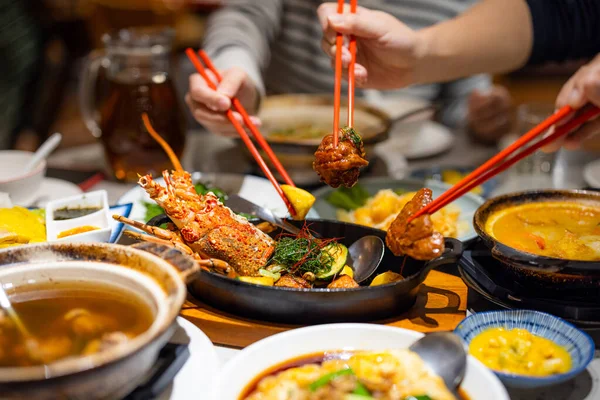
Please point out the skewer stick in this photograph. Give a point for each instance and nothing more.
(351, 79)
(339, 43)
(245, 138)
(255, 132)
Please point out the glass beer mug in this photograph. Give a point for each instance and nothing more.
(136, 66)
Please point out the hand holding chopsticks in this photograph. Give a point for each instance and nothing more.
(240, 129)
(339, 42)
(507, 158)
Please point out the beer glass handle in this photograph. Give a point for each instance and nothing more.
(87, 84)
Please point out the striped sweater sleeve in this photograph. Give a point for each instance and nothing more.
(240, 35)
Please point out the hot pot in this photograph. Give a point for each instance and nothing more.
(113, 373)
(539, 274)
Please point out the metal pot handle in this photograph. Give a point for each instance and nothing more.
(185, 264)
(452, 253)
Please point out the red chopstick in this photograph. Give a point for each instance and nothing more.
(245, 138)
(339, 43)
(352, 48)
(255, 132)
(502, 161)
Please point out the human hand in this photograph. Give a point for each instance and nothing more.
(387, 50)
(581, 89)
(209, 106)
(489, 114)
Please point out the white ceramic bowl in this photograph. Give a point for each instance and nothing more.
(479, 382)
(99, 219)
(22, 187)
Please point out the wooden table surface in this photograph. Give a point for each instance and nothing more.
(441, 305)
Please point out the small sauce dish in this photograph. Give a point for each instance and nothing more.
(80, 218)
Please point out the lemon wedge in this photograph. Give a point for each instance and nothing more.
(258, 280)
(385, 278)
(300, 199)
(347, 271)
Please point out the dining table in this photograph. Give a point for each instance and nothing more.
(212, 153)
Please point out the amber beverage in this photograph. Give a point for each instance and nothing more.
(136, 81)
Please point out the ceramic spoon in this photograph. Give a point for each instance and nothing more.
(44, 151)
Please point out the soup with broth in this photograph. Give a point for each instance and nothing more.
(567, 230)
(70, 319)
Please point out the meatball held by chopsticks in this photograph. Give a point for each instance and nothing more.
(340, 165)
(417, 238)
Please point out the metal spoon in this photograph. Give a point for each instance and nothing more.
(44, 151)
(365, 254)
(31, 344)
(445, 354)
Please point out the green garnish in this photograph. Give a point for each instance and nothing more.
(325, 379)
(302, 254)
(422, 397)
(269, 274)
(361, 390)
(349, 198)
(351, 134)
(400, 191)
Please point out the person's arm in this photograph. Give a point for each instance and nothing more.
(238, 39)
(493, 36)
(240, 35)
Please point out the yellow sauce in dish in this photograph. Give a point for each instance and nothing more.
(566, 230)
(518, 351)
(76, 231)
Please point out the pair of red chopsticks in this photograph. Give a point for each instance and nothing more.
(339, 43)
(255, 132)
(506, 158)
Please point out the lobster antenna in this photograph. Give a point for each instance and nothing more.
(163, 144)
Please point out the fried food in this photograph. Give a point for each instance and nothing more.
(340, 165)
(417, 238)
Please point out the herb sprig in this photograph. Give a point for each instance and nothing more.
(303, 253)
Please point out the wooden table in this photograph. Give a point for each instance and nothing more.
(440, 306)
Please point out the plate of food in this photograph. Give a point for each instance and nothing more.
(375, 202)
(346, 361)
(253, 188)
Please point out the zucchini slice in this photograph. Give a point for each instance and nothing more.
(339, 252)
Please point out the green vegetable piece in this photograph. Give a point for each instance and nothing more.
(422, 397)
(400, 191)
(342, 200)
(339, 253)
(200, 188)
(361, 390)
(325, 379)
(353, 396)
(269, 274)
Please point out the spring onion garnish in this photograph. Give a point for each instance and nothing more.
(302, 253)
(325, 379)
(269, 274)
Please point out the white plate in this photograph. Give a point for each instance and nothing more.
(53, 189)
(416, 140)
(253, 188)
(591, 174)
(196, 379)
(479, 382)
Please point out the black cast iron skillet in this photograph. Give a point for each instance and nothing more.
(313, 306)
(539, 273)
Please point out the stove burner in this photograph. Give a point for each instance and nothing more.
(479, 270)
(170, 360)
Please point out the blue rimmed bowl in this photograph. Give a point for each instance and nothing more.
(579, 344)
